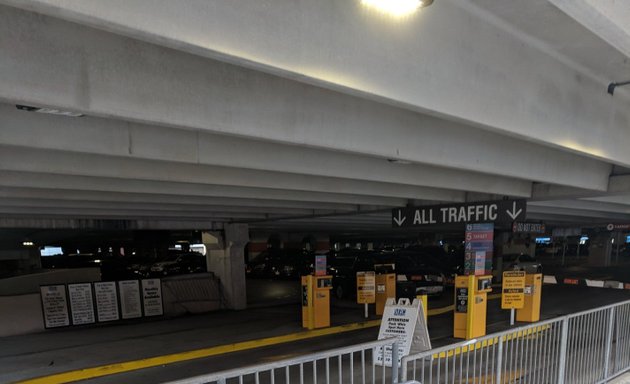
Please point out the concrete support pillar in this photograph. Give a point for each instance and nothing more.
(226, 259)
(600, 250)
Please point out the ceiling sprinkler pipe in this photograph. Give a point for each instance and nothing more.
(612, 86)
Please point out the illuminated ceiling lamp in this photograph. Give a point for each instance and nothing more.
(397, 8)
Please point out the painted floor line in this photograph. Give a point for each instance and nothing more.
(128, 366)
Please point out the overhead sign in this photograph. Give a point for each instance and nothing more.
(513, 292)
(478, 249)
(519, 227)
(618, 227)
(54, 306)
(366, 287)
(407, 323)
(498, 212)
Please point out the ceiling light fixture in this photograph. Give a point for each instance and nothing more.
(397, 8)
(50, 111)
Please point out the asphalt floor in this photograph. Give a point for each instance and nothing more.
(55, 351)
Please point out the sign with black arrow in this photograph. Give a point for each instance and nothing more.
(499, 212)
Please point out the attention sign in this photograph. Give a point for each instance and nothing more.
(498, 212)
(366, 287)
(513, 293)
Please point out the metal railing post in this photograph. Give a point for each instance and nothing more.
(395, 366)
(563, 350)
(499, 361)
(611, 325)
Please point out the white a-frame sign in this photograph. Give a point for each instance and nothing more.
(406, 322)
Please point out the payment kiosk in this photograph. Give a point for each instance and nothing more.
(316, 301)
(471, 301)
(533, 290)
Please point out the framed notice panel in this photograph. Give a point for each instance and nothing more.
(106, 301)
(81, 303)
(130, 304)
(54, 306)
(152, 297)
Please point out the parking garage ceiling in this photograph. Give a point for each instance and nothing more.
(284, 123)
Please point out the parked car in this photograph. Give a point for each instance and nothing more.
(179, 263)
(428, 278)
(281, 263)
(344, 266)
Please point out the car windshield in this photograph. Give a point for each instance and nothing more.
(527, 258)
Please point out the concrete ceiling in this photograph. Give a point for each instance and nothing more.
(306, 115)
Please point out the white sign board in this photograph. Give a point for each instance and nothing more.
(130, 304)
(54, 306)
(152, 297)
(81, 303)
(407, 323)
(106, 301)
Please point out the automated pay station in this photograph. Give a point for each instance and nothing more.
(471, 301)
(533, 291)
(316, 301)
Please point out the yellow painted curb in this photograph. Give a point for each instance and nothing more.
(127, 366)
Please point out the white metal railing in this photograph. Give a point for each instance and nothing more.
(354, 364)
(587, 347)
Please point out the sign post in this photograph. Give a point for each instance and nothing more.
(366, 289)
(513, 292)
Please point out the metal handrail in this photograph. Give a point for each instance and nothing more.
(222, 375)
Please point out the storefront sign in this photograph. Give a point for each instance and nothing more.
(81, 303)
(106, 301)
(54, 306)
(513, 292)
(152, 297)
(130, 304)
(366, 287)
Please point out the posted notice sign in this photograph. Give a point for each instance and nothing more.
(152, 297)
(130, 304)
(513, 292)
(81, 303)
(366, 287)
(406, 322)
(54, 305)
(106, 301)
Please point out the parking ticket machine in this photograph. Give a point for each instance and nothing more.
(533, 290)
(471, 301)
(316, 301)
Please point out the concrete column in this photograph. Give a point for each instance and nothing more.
(600, 250)
(226, 259)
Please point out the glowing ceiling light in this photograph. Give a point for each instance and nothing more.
(397, 7)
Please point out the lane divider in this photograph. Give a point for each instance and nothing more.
(128, 366)
(613, 284)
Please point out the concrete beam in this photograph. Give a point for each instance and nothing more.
(608, 19)
(18, 159)
(51, 62)
(60, 195)
(466, 64)
(583, 205)
(101, 224)
(151, 142)
(96, 184)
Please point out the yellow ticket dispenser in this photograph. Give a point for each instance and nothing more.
(385, 289)
(316, 301)
(471, 301)
(533, 292)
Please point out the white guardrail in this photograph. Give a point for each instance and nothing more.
(586, 347)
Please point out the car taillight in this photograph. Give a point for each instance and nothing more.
(417, 278)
